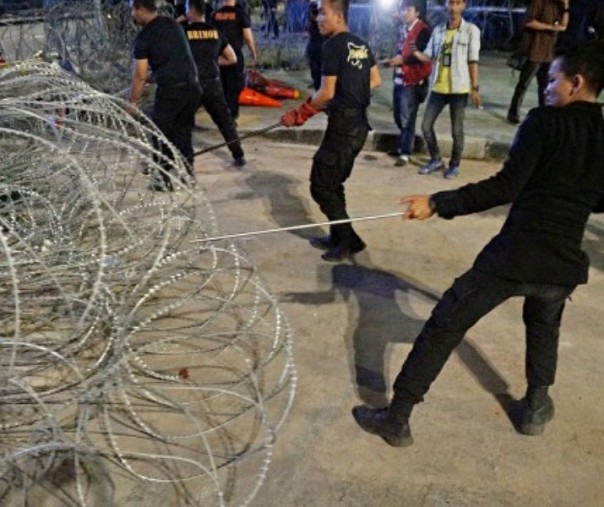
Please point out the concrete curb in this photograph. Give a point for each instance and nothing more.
(477, 148)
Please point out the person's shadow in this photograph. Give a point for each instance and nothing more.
(285, 206)
(385, 317)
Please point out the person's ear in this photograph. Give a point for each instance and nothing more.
(578, 82)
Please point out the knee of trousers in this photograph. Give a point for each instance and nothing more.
(427, 129)
(321, 194)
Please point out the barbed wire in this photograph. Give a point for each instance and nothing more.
(133, 363)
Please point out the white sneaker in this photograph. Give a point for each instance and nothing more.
(402, 160)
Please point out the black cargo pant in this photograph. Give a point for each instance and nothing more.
(174, 114)
(473, 295)
(233, 81)
(332, 164)
(214, 102)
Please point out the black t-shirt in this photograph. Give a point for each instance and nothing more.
(206, 43)
(163, 43)
(348, 57)
(231, 21)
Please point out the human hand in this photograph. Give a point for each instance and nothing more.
(131, 109)
(418, 207)
(475, 97)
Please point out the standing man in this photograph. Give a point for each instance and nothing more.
(410, 78)
(349, 73)
(453, 48)
(269, 12)
(314, 44)
(162, 47)
(234, 22)
(554, 178)
(544, 20)
(210, 50)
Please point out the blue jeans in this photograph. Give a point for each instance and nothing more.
(405, 101)
(457, 108)
(472, 296)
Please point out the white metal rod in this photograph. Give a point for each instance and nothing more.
(297, 227)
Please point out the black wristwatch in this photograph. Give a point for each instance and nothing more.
(475, 88)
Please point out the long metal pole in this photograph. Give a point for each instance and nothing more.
(298, 227)
(240, 138)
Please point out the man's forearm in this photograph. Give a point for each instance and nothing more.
(320, 99)
(250, 42)
(473, 68)
(136, 89)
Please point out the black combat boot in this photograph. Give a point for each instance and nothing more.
(391, 422)
(537, 411)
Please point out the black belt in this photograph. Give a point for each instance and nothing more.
(348, 111)
(188, 84)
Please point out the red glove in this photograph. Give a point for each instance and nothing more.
(299, 115)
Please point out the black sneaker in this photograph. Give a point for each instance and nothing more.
(513, 119)
(357, 246)
(189, 180)
(379, 421)
(336, 254)
(239, 161)
(535, 415)
(161, 186)
(322, 242)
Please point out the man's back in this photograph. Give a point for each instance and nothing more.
(231, 20)
(554, 177)
(206, 43)
(163, 44)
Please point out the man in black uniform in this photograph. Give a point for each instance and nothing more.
(211, 49)
(234, 22)
(554, 178)
(349, 73)
(314, 44)
(161, 45)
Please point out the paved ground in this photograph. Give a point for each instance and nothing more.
(355, 323)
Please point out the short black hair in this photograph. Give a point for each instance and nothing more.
(340, 6)
(198, 5)
(148, 5)
(585, 59)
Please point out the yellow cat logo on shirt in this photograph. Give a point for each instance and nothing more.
(356, 54)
